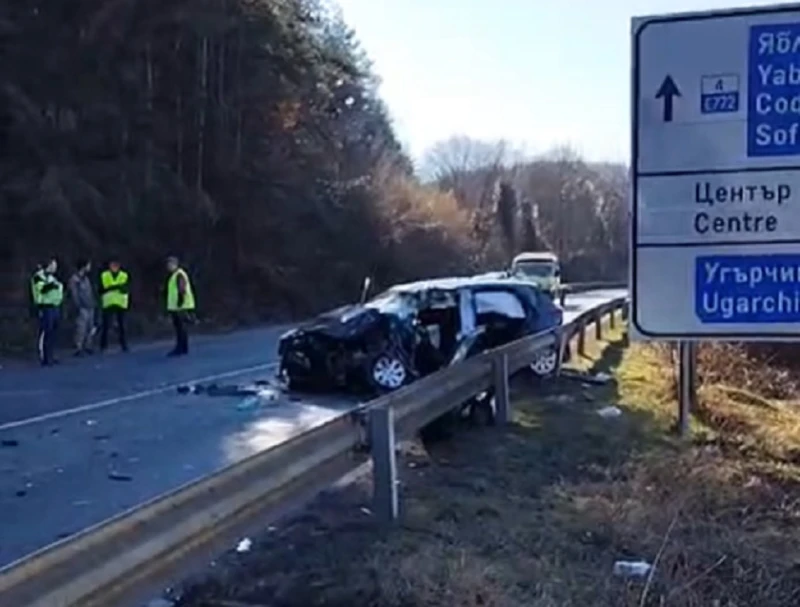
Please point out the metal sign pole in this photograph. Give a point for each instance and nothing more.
(687, 388)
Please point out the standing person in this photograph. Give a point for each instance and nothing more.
(115, 299)
(48, 295)
(82, 292)
(180, 304)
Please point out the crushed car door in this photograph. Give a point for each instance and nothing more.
(469, 333)
(502, 314)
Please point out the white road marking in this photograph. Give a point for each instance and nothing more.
(132, 397)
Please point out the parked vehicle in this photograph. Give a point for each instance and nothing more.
(541, 268)
(414, 329)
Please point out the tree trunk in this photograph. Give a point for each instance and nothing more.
(201, 118)
(239, 101)
(179, 118)
(148, 167)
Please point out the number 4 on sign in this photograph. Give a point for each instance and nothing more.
(719, 86)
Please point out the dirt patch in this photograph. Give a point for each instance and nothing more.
(537, 514)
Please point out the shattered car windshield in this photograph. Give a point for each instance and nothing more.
(392, 302)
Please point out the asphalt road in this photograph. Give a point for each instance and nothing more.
(92, 437)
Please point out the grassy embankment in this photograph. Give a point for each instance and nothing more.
(536, 515)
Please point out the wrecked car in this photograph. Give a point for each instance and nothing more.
(412, 330)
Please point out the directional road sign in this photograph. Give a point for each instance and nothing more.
(716, 175)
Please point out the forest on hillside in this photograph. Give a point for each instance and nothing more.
(249, 138)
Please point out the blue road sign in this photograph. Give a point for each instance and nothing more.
(715, 247)
(773, 99)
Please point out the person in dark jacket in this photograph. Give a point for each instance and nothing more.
(85, 302)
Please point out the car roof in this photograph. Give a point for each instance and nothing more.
(462, 282)
(536, 256)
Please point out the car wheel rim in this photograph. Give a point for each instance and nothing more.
(545, 363)
(388, 372)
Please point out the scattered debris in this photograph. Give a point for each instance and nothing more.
(255, 400)
(269, 394)
(21, 493)
(609, 412)
(587, 379)
(118, 476)
(9, 442)
(251, 402)
(244, 545)
(631, 569)
(366, 510)
(91, 422)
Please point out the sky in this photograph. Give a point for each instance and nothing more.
(537, 73)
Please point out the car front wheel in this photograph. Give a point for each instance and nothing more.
(387, 372)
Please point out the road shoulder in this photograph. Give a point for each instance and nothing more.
(538, 514)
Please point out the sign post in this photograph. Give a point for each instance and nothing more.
(687, 389)
(716, 174)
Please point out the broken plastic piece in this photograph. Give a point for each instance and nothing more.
(244, 545)
(117, 476)
(632, 568)
(609, 412)
(251, 402)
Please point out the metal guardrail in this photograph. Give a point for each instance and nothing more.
(144, 548)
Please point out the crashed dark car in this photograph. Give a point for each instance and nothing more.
(412, 330)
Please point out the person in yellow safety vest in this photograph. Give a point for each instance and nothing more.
(180, 304)
(48, 295)
(114, 299)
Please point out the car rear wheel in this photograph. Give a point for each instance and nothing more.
(545, 363)
(387, 372)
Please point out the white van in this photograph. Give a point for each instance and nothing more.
(541, 268)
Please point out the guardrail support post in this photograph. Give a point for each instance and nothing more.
(501, 390)
(561, 345)
(598, 327)
(582, 338)
(612, 319)
(384, 464)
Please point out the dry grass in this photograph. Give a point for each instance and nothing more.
(536, 515)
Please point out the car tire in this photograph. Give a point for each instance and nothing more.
(545, 363)
(386, 371)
